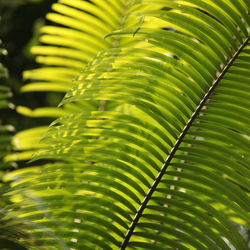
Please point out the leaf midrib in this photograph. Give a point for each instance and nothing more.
(177, 144)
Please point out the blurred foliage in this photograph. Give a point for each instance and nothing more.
(19, 30)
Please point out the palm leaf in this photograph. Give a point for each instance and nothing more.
(67, 45)
(164, 165)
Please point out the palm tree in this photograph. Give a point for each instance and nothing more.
(151, 147)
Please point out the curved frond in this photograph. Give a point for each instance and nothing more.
(67, 45)
(165, 164)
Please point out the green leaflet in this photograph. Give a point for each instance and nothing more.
(163, 161)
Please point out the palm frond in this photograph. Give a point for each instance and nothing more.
(67, 45)
(165, 164)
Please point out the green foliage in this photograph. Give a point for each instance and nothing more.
(5, 94)
(11, 229)
(150, 148)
